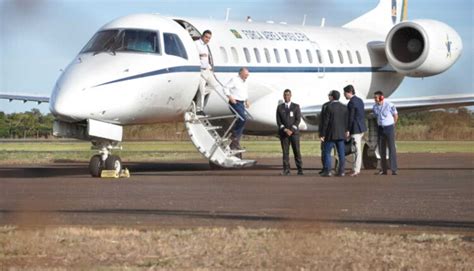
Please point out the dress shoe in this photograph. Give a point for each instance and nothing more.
(326, 174)
(300, 172)
(285, 173)
(394, 173)
(381, 173)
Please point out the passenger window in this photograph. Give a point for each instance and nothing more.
(359, 59)
(174, 46)
(267, 55)
(247, 55)
(298, 55)
(331, 59)
(341, 58)
(288, 57)
(224, 55)
(349, 56)
(320, 58)
(235, 55)
(277, 55)
(257, 54)
(310, 56)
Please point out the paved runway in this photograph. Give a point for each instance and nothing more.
(433, 191)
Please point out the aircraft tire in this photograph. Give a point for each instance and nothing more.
(369, 161)
(95, 166)
(113, 162)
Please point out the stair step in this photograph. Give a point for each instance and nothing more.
(209, 128)
(220, 117)
(210, 144)
(234, 152)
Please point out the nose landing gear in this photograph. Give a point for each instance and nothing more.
(104, 160)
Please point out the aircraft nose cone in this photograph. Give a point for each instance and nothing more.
(63, 104)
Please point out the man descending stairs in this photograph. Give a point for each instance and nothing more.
(222, 149)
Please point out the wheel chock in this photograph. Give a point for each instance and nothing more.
(109, 174)
(124, 173)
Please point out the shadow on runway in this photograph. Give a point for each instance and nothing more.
(186, 166)
(69, 169)
(466, 225)
(81, 169)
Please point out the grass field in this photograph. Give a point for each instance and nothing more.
(222, 248)
(45, 152)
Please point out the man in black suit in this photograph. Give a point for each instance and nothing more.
(356, 125)
(333, 133)
(288, 116)
(321, 124)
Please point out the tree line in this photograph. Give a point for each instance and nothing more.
(435, 125)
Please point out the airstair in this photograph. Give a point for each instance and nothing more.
(211, 140)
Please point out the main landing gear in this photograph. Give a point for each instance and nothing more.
(369, 157)
(105, 159)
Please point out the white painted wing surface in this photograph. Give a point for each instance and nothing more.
(24, 98)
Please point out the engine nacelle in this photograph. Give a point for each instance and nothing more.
(421, 48)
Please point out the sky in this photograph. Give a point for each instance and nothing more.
(38, 38)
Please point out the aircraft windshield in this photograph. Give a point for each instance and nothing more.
(123, 40)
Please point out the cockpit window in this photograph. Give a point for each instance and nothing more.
(174, 46)
(123, 40)
(100, 41)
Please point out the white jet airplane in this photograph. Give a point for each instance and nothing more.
(145, 68)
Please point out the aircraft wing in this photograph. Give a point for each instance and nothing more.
(410, 104)
(24, 98)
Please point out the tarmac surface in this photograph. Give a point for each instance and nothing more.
(432, 192)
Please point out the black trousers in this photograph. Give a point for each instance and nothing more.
(386, 137)
(294, 140)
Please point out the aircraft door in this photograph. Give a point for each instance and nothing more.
(319, 60)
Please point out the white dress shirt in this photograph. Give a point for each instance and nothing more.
(237, 88)
(203, 49)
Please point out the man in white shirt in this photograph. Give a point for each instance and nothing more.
(387, 116)
(207, 76)
(237, 92)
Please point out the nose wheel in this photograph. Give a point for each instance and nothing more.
(96, 164)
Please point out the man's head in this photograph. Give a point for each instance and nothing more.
(334, 95)
(206, 36)
(378, 97)
(349, 91)
(287, 95)
(244, 73)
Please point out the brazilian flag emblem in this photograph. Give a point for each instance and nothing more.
(236, 34)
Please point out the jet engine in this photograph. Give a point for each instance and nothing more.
(422, 48)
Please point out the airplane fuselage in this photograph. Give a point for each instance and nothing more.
(126, 84)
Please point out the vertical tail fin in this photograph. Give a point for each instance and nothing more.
(383, 17)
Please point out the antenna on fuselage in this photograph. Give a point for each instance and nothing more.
(227, 13)
(323, 22)
(304, 20)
